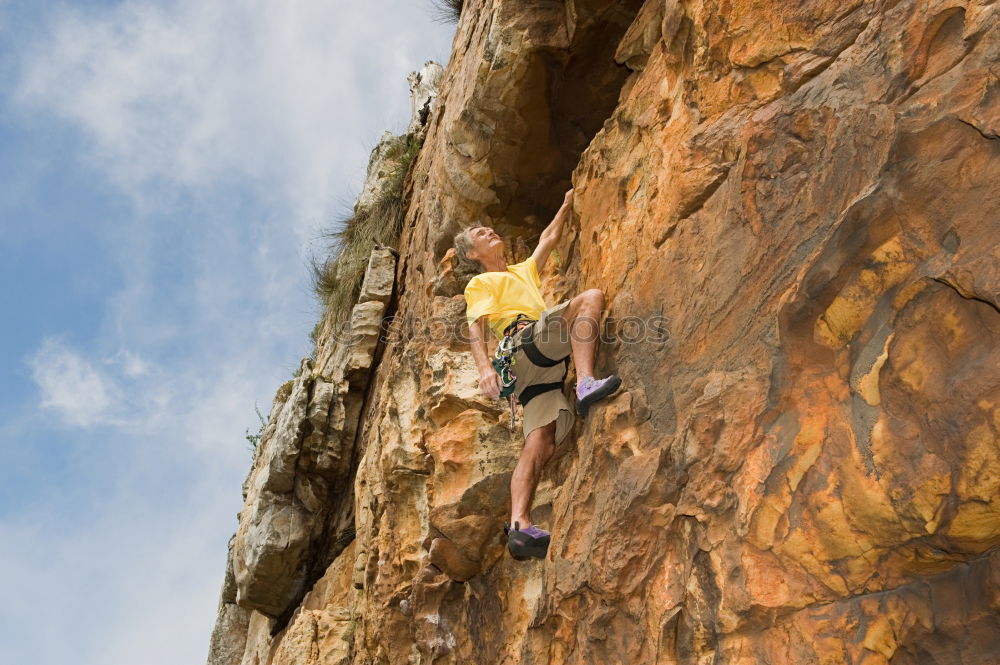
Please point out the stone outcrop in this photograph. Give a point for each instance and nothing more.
(381, 166)
(792, 209)
(229, 637)
(424, 87)
(298, 515)
(295, 509)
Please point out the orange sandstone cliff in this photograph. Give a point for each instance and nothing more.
(805, 469)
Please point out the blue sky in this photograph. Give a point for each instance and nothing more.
(166, 169)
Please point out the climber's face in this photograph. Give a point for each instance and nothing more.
(485, 242)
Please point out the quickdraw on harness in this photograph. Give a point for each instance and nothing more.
(503, 361)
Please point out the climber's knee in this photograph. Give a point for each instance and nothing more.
(587, 305)
(595, 296)
(591, 298)
(587, 315)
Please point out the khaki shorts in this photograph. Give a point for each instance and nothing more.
(551, 337)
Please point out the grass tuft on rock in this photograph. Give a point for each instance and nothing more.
(337, 280)
(448, 11)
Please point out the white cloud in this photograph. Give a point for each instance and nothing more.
(286, 95)
(123, 390)
(197, 408)
(132, 365)
(72, 386)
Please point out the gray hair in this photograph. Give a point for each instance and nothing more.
(463, 245)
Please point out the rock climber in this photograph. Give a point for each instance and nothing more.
(536, 342)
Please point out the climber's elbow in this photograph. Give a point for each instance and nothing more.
(477, 342)
(478, 335)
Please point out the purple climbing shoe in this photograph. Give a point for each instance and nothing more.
(589, 390)
(530, 542)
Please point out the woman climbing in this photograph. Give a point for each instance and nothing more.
(533, 354)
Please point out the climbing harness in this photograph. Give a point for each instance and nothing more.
(503, 362)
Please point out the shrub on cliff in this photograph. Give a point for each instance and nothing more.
(448, 11)
(254, 439)
(337, 279)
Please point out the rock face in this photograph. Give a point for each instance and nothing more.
(794, 212)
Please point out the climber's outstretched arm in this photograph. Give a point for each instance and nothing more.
(551, 234)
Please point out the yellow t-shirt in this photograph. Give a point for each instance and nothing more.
(504, 295)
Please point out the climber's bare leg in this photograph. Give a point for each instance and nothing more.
(582, 316)
(539, 446)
